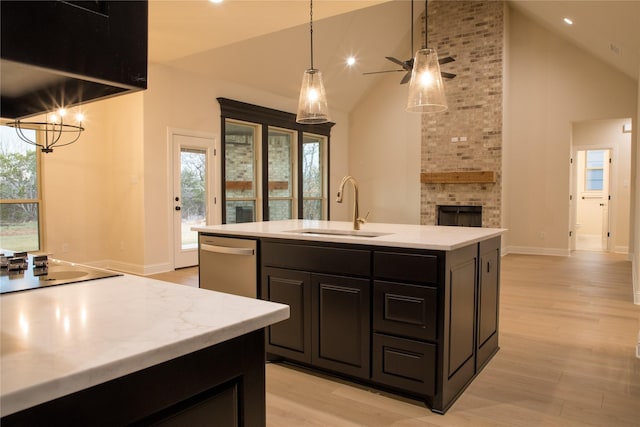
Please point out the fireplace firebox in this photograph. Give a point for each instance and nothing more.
(463, 216)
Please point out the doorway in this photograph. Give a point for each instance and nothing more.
(600, 202)
(192, 186)
(593, 195)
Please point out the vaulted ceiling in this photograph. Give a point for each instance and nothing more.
(265, 44)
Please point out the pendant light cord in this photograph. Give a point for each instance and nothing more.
(412, 51)
(426, 2)
(311, 29)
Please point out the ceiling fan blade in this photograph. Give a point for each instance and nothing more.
(445, 60)
(380, 72)
(447, 75)
(395, 61)
(406, 78)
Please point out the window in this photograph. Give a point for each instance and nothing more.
(20, 195)
(273, 167)
(281, 171)
(240, 166)
(314, 174)
(594, 170)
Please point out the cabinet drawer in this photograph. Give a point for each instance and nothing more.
(415, 268)
(407, 310)
(405, 364)
(319, 259)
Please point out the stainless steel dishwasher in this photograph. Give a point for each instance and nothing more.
(228, 265)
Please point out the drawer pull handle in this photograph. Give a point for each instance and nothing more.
(226, 250)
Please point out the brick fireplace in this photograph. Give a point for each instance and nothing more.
(462, 148)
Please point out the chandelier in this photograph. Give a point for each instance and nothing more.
(56, 132)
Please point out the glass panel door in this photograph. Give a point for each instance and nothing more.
(241, 192)
(192, 198)
(193, 191)
(281, 172)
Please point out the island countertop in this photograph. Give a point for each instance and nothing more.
(377, 234)
(62, 339)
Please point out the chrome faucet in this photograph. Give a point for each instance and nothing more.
(356, 218)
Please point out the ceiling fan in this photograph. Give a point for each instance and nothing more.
(407, 66)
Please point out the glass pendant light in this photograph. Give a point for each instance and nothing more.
(426, 90)
(312, 104)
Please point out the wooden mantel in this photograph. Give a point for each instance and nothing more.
(470, 177)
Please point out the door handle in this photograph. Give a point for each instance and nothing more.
(178, 208)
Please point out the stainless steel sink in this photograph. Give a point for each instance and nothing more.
(334, 232)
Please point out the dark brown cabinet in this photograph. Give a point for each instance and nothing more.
(328, 325)
(290, 338)
(418, 322)
(221, 385)
(488, 301)
(340, 324)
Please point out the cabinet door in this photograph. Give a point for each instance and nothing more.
(459, 348)
(290, 338)
(341, 324)
(488, 300)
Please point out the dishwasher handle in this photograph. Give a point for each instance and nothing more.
(227, 250)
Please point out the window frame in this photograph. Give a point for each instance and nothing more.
(588, 169)
(268, 117)
(39, 200)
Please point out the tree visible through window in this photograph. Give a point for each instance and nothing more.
(19, 192)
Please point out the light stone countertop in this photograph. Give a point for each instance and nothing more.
(61, 339)
(392, 235)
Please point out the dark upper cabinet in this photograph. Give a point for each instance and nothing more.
(64, 53)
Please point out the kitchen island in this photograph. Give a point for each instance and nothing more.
(129, 349)
(406, 308)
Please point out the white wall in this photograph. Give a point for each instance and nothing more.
(552, 83)
(91, 189)
(384, 153)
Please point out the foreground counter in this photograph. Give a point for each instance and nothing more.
(129, 350)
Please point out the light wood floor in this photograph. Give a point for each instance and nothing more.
(567, 358)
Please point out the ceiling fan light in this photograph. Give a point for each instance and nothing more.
(426, 89)
(312, 104)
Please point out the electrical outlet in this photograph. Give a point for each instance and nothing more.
(541, 235)
(65, 248)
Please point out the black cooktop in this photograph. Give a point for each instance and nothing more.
(21, 271)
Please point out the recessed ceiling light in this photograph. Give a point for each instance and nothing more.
(216, 1)
(351, 61)
(568, 21)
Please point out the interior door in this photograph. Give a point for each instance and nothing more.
(192, 193)
(592, 207)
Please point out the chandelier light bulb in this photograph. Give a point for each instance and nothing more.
(80, 117)
(62, 112)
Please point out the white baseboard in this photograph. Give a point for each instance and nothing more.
(621, 249)
(532, 250)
